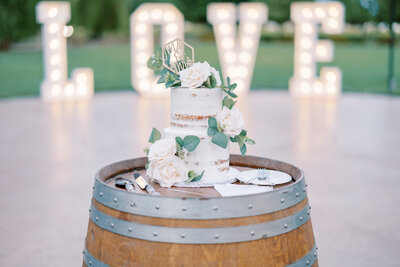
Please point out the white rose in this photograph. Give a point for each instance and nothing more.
(195, 75)
(231, 121)
(168, 172)
(216, 75)
(162, 149)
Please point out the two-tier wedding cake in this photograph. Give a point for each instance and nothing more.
(194, 150)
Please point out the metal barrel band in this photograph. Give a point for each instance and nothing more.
(221, 235)
(200, 208)
(89, 260)
(308, 260)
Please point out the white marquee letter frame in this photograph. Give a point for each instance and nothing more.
(142, 21)
(308, 49)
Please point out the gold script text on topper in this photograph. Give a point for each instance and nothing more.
(177, 55)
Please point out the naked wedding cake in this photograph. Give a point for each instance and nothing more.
(194, 150)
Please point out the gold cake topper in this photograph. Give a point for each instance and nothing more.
(177, 55)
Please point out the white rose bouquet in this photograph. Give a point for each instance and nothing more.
(165, 159)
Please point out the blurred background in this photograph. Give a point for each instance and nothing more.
(101, 41)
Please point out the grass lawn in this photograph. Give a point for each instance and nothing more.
(364, 66)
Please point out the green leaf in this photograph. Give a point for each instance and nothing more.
(233, 86)
(233, 95)
(249, 141)
(228, 80)
(233, 140)
(192, 177)
(243, 133)
(212, 126)
(213, 81)
(198, 177)
(243, 149)
(207, 83)
(240, 141)
(161, 79)
(154, 63)
(228, 102)
(147, 165)
(154, 136)
(179, 141)
(220, 139)
(169, 84)
(190, 142)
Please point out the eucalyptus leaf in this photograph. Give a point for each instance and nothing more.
(212, 126)
(228, 102)
(154, 136)
(249, 141)
(179, 141)
(147, 165)
(228, 80)
(220, 139)
(213, 81)
(233, 140)
(193, 177)
(243, 133)
(243, 149)
(233, 95)
(161, 79)
(207, 83)
(154, 63)
(190, 142)
(198, 177)
(233, 86)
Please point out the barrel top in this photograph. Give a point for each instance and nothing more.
(195, 202)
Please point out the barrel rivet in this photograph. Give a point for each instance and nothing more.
(90, 262)
(132, 204)
(215, 208)
(286, 226)
(301, 218)
(316, 248)
(83, 252)
(97, 218)
(115, 200)
(252, 233)
(282, 200)
(309, 207)
(157, 207)
(304, 189)
(155, 234)
(250, 206)
(90, 210)
(308, 262)
(183, 235)
(130, 229)
(315, 254)
(184, 209)
(297, 194)
(93, 187)
(112, 225)
(101, 194)
(308, 212)
(216, 236)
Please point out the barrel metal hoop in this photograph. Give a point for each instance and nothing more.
(200, 208)
(219, 235)
(307, 260)
(89, 260)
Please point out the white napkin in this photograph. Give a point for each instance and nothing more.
(228, 190)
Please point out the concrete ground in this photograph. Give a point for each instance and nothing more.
(349, 150)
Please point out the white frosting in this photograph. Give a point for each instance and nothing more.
(190, 110)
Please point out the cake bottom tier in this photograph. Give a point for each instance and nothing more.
(207, 157)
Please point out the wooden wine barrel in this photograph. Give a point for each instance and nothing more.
(199, 228)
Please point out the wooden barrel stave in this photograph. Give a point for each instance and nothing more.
(281, 250)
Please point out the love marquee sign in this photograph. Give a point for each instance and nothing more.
(237, 48)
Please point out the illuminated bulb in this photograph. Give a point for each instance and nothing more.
(69, 90)
(225, 28)
(244, 57)
(81, 78)
(247, 42)
(56, 90)
(141, 43)
(333, 23)
(53, 28)
(143, 16)
(318, 87)
(307, 28)
(306, 43)
(253, 13)
(141, 58)
(330, 88)
(68, 31)
(320, 12)
(331, 77)
(230, 57)
(141, 28)
(55, 75)
(250, 28)
(81, 89)
(242, 72)
(171, 28)
(227, 43)
(333, 12)
(307, 13)
(52, 12)
(222, 13)
(305, 57)
(54, 60)
(305, 87)
(54, 44)
(156, 14)
(321, 50)
(169, 16)
(305, 72)
(141, 72)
